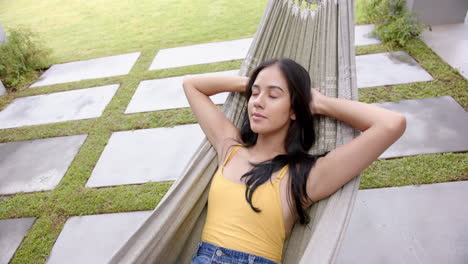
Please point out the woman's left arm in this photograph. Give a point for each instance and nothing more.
(380, 129)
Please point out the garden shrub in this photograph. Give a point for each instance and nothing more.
(393, 23)
(21, 57)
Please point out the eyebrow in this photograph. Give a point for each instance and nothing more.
(269, 86)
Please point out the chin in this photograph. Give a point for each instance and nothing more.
(259, 129)
(255, 128)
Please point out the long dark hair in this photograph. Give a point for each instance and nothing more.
(300, 138)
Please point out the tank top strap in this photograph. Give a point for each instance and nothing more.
(231, 153)
(282, 172)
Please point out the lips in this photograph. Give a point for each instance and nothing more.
(257, 116)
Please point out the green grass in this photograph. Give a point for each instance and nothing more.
(86, 30)
(421, 169)
(359, 12)
(79, 29)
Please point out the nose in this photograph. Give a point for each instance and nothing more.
(259, 100)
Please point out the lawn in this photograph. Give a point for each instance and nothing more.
(79, 29)
(82, 29)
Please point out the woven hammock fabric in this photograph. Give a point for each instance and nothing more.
(320, 36)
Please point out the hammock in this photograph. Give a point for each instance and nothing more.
(320, 36)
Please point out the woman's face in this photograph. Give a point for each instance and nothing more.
(269, 106)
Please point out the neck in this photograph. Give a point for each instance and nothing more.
(268, 146)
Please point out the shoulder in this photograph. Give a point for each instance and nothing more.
(229, 145)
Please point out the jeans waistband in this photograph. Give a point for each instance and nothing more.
(221, 255)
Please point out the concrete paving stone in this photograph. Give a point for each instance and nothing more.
(3, 36)
(2, 89)
(362, 35)
(88, 69)
(433, 125)
(12, 232)
(94, 239)
(201, 54)
(167, 93)
(139, 156)
(36, 165)
(387, 69)
(228, 50)
(412, 224)
(450, 42)
(57, 107)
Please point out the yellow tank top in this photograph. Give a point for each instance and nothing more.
(231, 222)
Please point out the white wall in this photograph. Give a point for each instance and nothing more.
(437, 12)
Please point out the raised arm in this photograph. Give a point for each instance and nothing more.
(213, 122)
(380, 129)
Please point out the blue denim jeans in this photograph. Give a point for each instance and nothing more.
(208, 253)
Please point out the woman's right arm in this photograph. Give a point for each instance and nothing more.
(213, 122)
(380, 129)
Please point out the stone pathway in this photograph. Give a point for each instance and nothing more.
(433, 125)
(94, 238)
(57, 107)
(88, 69)
(139, 156)
(228, 50)
(167, 93)
(388, 69)
(2, 89)
(362, 35)
(411, 224)
(36, 165)
(201, 54)
(161, 154)
(12, 232)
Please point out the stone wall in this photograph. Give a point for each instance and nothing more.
(3, 39)
(437, 12)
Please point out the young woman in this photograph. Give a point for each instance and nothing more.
(266, 178)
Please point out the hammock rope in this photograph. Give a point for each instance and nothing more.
(320, 36)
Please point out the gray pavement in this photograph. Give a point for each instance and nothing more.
(201, 54)
(2, 88)
(88, 69)
(228, 50)
(57, 107)
(433, 125)
(167, 93)
(139, 156)
(36, 165)
(362, 35)
(412, 224)
(12, 232)
(94, 239)
(388, 69)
